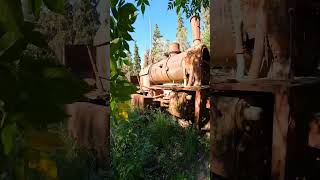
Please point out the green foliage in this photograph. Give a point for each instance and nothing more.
(182, 35)
(151, 145)
(33, 93)
(189, 7)
(123, 16)
(206, 27)
(136, 59)
(53, 5)
(75, 161)
(7, 137)
(146, 58)
(159, 45)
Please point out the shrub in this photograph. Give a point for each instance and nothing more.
(151, 145)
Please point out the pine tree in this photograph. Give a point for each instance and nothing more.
(128, 68)
(146, 58)
(157, 48)
(136, 59)
(182, 35)
(206, 28)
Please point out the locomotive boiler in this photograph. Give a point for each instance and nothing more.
(171, 83)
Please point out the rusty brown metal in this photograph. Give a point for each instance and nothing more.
(195, 27)
(171, 69)
(168, 70)
(134, 80)
(141, 101)
(174, 48)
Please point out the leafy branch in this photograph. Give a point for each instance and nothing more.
(33, 90)
(189, 7)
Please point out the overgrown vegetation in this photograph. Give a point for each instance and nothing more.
(33, 93)
(151, 145)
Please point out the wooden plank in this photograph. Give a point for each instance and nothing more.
(256, 87)
(279, 137)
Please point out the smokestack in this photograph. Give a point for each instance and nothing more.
(174, 48)
(195, 26)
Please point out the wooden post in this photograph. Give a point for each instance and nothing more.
(280, 130)
(197, 109)
(261, 31)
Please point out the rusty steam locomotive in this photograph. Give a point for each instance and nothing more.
(172, 82)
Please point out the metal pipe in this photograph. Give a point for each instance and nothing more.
(195, 27)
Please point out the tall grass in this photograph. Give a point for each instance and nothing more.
(151, 145)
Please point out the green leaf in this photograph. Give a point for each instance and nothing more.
(113, 3)
(43, 141)
(15, 51)
(8, 135)
(126, 62)
(8, 40)
(11, 14)
(127, 37)
(126, 10)
(37, 39)
(126, 45)
(55, 5)
(147, 2)
(35, 7)
(143, 7)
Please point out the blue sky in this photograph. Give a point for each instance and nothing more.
(158, 14)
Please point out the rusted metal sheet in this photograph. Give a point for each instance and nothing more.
(168, 70)
(180, 105)
(134, 80)
(222, 39)
(195, 27)
(78, 60)
(141, 101)
(173, 69)
(89, 125)
(251, 35)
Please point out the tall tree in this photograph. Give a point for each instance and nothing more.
(136, 59)
(206, 27)
(146, 58)
(182, 34)
(127, 66)
(157, 48)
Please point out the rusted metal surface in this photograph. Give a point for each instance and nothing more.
(89, 125)
(288, 134)
(174, 48)
(134, 80)
(180, 105)
(189, 67)
(255, 32)
(239, 140)
(141, 101)
(195, 27)
(168, 70)
(78, 60)
(173, 69)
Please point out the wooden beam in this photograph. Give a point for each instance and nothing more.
(197, 109)
(280, 131)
